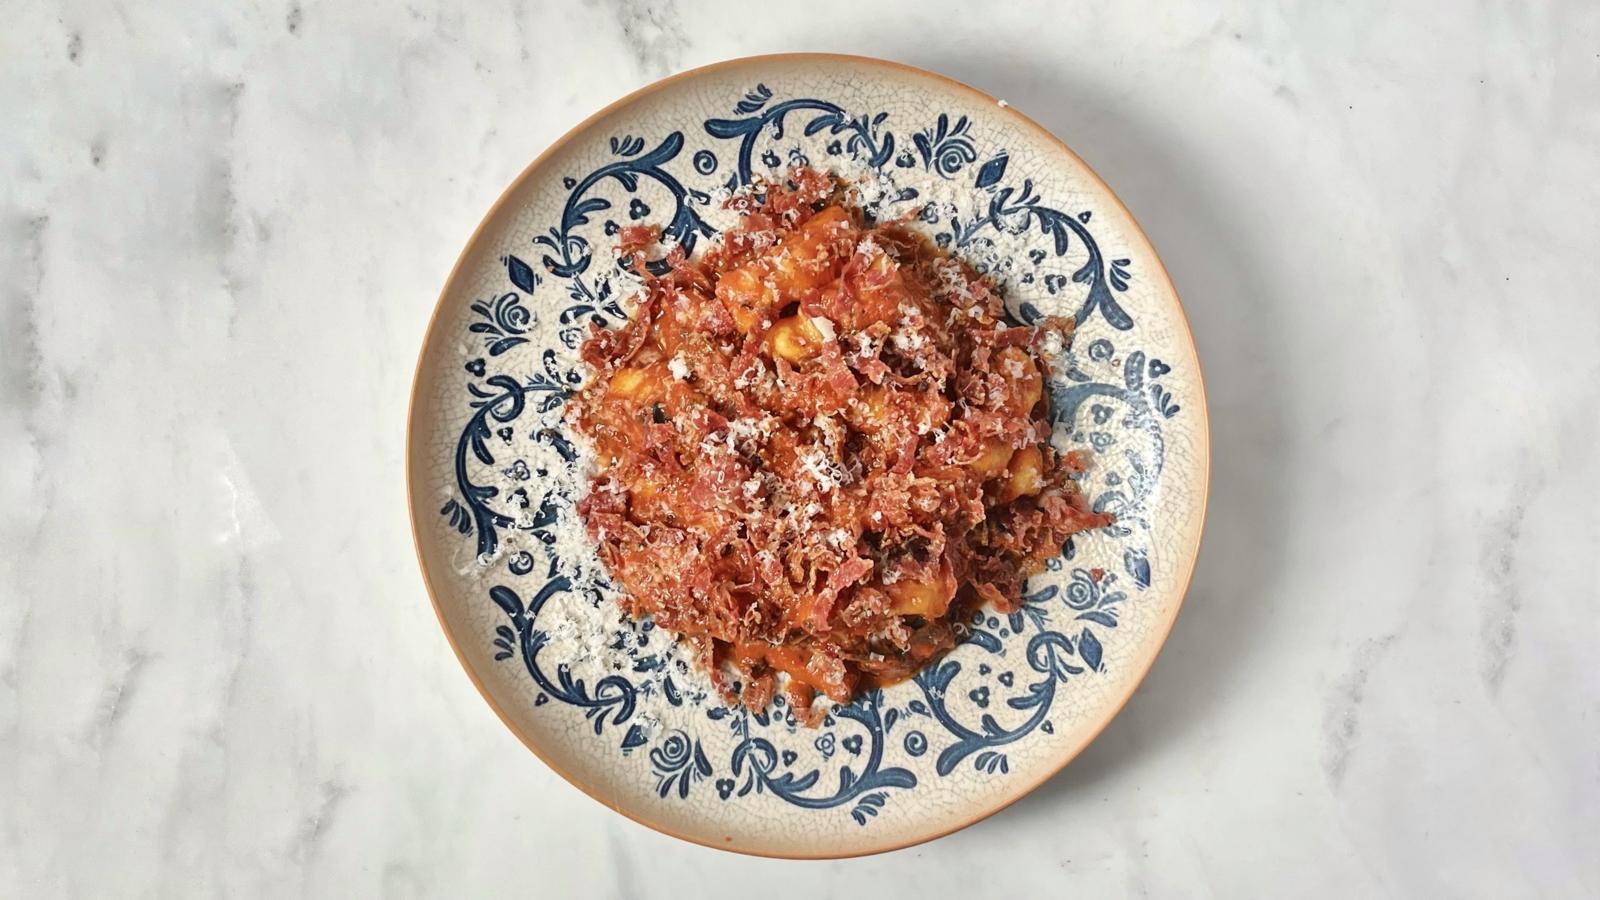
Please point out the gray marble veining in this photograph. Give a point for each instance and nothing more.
(222, 231)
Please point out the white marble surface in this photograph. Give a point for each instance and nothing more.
(221, 234)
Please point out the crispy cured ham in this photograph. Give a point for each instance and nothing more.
(820, 448)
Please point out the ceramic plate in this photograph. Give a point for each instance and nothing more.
(610, 704)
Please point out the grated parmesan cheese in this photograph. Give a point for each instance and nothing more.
(840, 539)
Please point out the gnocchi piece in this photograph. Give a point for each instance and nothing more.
(805, 260)
(992, 461)
(869, 412)
(747, 295)
(1025, 384)
(801, 263)
(795, 339)
(682, 317)
(1024, 475)
(880, 290)
(639, 385)
(918, 598)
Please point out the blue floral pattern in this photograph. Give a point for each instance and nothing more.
(967, 709)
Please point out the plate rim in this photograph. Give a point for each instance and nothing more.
(413, 456)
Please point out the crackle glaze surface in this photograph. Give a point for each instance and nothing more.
(610, 703)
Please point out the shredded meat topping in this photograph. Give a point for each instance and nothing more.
(820, 448)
